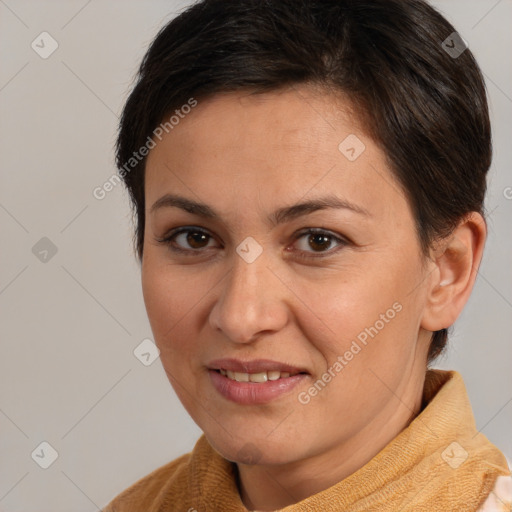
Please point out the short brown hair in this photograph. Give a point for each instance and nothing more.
(426, 107)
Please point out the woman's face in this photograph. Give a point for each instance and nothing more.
(334, 315)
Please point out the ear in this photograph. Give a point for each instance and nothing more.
(455, 262)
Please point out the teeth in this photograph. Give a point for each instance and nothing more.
(258, 377)
(254, 377)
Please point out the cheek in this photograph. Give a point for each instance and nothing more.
(364, 321)
(172, 302)
(370, 340)
(340, 309)
(171, 299)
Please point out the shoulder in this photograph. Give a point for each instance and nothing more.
(144, 494)
(500, 498)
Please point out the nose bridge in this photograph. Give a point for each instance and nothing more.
(249, 299)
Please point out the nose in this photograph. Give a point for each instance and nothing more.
(252, 301)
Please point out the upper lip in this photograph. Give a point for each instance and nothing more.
(253, 366)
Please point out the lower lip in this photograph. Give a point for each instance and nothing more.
(253, 393)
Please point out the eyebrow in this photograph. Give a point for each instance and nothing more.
(280, 216)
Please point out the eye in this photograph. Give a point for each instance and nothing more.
(320, 241)
(191, 241)
(177, 240)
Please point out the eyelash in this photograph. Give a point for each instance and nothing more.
(168, 239)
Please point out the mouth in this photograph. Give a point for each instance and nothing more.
(258, 377)
(255, 370)
(254, 382)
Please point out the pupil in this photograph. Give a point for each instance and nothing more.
(320, 239)
(193, 238)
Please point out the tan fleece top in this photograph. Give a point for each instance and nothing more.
(440, 462)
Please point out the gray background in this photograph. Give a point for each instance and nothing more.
(68, 375)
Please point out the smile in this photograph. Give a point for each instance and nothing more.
(259, 377)
(254, 388)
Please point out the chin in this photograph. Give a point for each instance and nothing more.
(253, 451)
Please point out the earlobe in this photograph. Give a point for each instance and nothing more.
(456, 260)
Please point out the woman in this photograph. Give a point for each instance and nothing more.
(308, 180)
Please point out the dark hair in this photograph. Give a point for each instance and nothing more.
(425, 105)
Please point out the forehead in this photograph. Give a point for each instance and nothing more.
(282, 144)
(288, 116)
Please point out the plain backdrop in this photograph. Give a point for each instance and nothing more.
(71, 305)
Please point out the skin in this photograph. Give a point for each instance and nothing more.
(246, 156)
